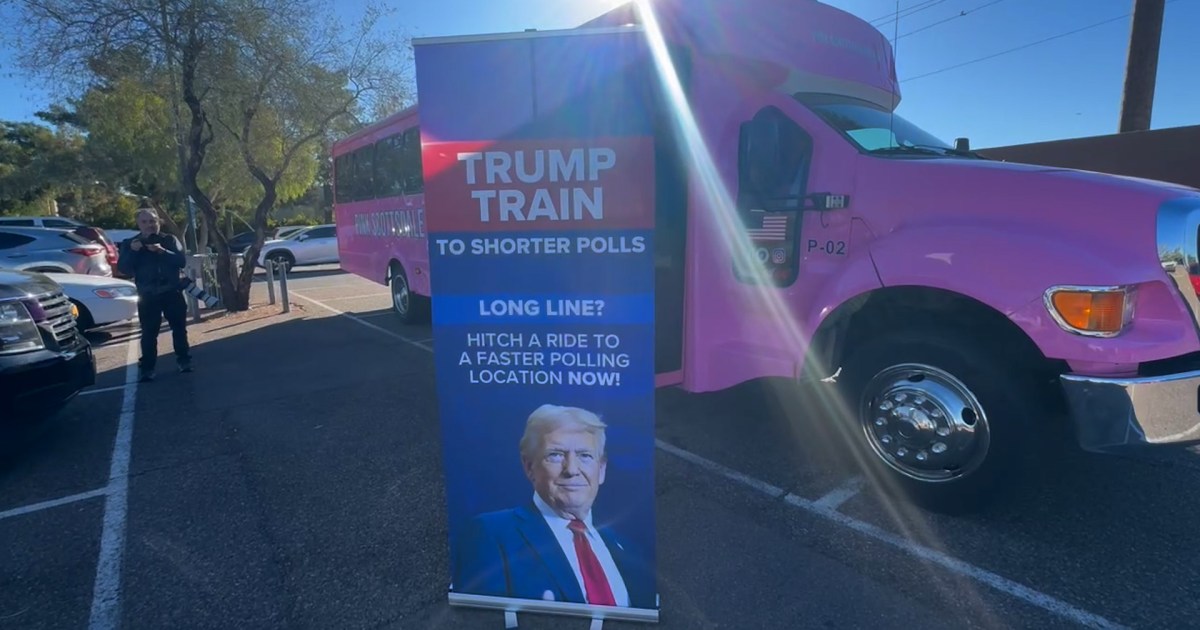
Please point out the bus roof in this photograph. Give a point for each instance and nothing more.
(793, 45)
(368, 134)
(803, 45)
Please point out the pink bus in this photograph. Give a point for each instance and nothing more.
(379, 208)
(950, 307)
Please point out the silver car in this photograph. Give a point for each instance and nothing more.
(43, 249)
(58, 223)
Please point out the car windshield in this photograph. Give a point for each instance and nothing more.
(875, 130)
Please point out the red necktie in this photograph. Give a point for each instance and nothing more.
(594, 580)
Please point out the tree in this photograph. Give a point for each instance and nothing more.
(298, 80)
(37, 164)
(272, 76)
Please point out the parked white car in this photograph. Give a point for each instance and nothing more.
(316, 245)
(101, 301)
(58, 223)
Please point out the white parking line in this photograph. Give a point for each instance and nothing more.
(45, 505)
(826, 507)
(840, 494)
(89, 392)
(106, 591)
(365, 323)
(954, 565)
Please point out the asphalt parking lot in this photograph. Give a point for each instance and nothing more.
(294, 480)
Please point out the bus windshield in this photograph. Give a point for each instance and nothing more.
(875, 130)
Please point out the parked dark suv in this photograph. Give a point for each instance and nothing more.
(44, 360)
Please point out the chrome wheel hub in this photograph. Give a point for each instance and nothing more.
(924, 423)
(400, 294)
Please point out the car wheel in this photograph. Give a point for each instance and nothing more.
(282, 260)
(85, 321)
(939, 417)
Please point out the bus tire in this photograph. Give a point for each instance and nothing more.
(940, 417)
(408, 306)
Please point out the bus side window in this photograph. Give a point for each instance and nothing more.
(351, 184)
(774, 155)
(340, 178)
(414, 181)
(389, 178)
(364, 173)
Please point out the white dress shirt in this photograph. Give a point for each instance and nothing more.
(566, 540)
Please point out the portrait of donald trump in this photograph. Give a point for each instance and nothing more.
(550, 547)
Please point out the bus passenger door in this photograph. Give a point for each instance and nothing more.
(670, 229)
(670, 241)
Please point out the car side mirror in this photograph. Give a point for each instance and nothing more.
(302, 237)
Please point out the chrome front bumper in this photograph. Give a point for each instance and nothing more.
(1113, 412)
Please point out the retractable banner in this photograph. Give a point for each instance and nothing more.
(538, 156)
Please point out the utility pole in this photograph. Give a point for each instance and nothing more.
(1141, 68)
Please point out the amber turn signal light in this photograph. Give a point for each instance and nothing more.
(1101, 312)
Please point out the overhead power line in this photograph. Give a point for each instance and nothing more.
(905, 12)
(1021, 47)
(964, 13)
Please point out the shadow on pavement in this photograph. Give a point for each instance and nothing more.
(300, 466)
(296, 477)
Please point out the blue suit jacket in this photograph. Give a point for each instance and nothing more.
(513, 553)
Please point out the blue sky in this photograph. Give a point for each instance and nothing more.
(1068, 87)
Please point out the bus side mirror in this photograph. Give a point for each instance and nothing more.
(759, 155)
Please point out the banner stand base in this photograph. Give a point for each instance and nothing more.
(512, 606)
(510, 621)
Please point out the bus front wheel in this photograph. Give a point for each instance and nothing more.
(935, 415)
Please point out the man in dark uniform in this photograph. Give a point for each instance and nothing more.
(155, 260)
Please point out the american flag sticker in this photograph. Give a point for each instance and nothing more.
(773, 228)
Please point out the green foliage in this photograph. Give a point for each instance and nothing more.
(299, 219)
(228, 180)
(36, 164)
(111, 212)
(129, 135)
(231, 103)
